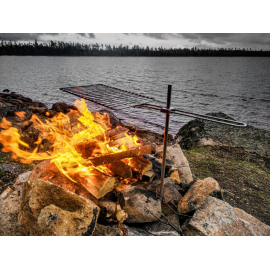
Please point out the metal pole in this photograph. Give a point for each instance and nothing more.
(165, 141)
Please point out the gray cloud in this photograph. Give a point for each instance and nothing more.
(87, 35)
(165, 36)
(229, 40)
(38, 36)
(19, 36)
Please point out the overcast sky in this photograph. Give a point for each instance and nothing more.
(254, 41)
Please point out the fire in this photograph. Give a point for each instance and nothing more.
(65, 133)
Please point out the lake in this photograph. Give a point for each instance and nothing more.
(236, 86)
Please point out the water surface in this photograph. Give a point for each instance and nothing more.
(239, 87)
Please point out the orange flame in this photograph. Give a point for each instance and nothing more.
(64, 132)
(20, 114)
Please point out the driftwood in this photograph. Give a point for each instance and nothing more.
(120, 169)
(98, 184)
(107, 159)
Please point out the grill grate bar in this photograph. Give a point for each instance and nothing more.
(109, 97)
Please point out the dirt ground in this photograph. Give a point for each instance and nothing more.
(242, 175)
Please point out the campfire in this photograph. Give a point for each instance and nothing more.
(83, 147)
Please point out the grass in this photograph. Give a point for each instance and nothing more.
(242, 175)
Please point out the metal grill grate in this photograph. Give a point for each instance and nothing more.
(107, 96)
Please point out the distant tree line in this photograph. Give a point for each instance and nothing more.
(76, 49)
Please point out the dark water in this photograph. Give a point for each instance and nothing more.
(239, 87)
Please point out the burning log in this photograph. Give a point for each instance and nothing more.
(116, 133)
(98, 184)
(127, 142)
(140, 165)
(120, 169)
(49, 172)
(107, 159)
(90, 148)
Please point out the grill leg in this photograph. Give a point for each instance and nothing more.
(165, 142)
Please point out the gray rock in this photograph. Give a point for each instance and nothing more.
(161, 229)
(21, 179)
(47, 209)
(133, 231)
(136, 202)
(102, 230)
(196, 195)
(170, 193)
(199, 133)
(9, 209)
(218, 218)
(179, 162)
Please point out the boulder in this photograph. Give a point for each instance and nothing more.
(133, 231)
(21, 179)
(170, 193)
(218, 218)
(199, 133)
(102, 230)
(161, 229)
(179, 162)
(136, 201)
(6, 91)
(47, 209)
(118, 230)
(196, 195)
(9, 210)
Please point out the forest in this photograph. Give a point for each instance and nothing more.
(76, 49)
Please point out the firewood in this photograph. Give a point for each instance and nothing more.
(140, 164)
(107, 159)
(49, 172)
(98, 184)
(112, 210)
(148, 176)
(90, 148)
(127, 142)
(116, 133)
(125, 184)
(120, 169)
